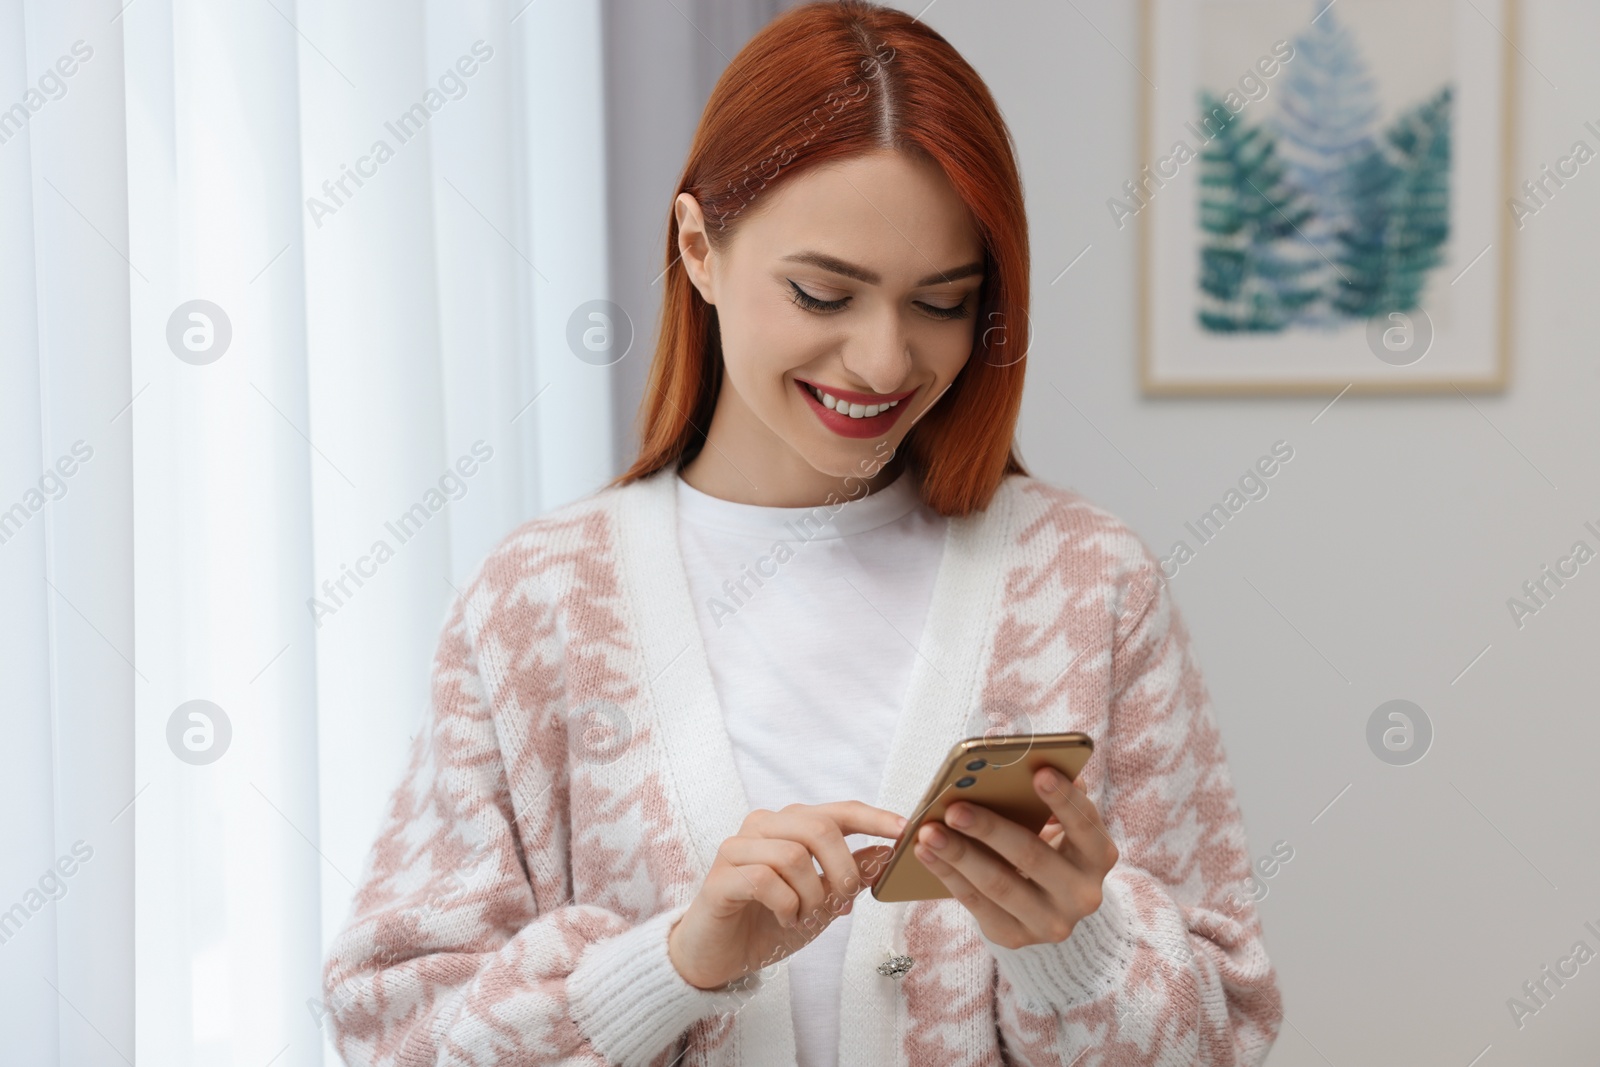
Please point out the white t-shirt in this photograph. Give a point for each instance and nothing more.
(811, 618)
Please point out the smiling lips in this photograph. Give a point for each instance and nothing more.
(851, 414)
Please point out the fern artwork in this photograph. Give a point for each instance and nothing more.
(1324, 200)
(1320, 208)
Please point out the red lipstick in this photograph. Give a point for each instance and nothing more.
(845, 426)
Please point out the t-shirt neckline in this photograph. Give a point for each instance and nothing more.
(843, 517)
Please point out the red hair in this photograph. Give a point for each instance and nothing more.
(821, 83)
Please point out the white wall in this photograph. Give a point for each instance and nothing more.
(662, 60)
(1378, 567)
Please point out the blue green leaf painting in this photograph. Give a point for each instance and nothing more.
(1318, 216)
(1250, 215)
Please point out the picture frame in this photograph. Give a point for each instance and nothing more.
(1343, 225)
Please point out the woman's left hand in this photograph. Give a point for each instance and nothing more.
(1062, 867)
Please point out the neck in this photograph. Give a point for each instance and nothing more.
(793, 484)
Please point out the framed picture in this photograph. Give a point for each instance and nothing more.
(1325, 196)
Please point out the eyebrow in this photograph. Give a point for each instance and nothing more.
(862, 274)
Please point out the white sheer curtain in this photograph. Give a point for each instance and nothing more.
(66, 542)
(198, 492)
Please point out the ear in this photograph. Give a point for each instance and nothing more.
(694, 247)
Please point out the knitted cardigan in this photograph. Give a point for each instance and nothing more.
(574, 779)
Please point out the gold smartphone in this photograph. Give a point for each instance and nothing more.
(994, 772)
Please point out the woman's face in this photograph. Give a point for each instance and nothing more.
(856, 281)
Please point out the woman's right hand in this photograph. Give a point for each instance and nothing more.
(763, 899)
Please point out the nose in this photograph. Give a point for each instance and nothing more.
(879, 356)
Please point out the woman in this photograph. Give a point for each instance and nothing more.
(638, 824)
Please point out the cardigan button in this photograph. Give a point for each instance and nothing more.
(896, 966)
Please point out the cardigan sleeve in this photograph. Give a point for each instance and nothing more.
(1170, 969)
(462, 946)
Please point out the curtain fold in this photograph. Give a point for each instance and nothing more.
(304, 308)
(274, 380)
(66, 539)
(227, 883)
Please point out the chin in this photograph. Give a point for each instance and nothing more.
(863, 459)
(831, 464)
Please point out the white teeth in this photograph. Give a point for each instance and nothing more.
(855, 411)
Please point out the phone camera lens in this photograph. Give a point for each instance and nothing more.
(962, 783)
(977, 765)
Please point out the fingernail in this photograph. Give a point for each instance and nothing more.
(1052, 780)
(901, 825)
(958, 816)
(936, 837)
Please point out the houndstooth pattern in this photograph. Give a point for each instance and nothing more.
(514, 906)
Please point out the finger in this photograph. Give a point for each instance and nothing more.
(816, 828)
(737, 885)
(1063, 877)
(820, 833)
(1080, 820)
(854, 817)
(993, 878)
(790, 860)
(1019, 846)
(998, 924)
(872, 861)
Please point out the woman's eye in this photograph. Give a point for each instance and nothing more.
(957, 312)
(814, 303)
(811, 303)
